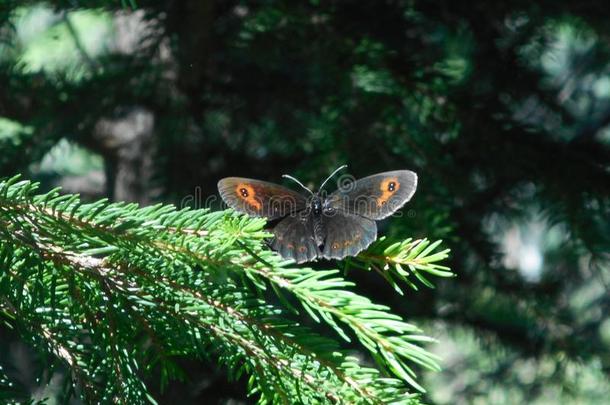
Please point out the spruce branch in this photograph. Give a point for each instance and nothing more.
(400, 260)
(114, 291)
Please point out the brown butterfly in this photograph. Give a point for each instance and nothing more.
(322, 226)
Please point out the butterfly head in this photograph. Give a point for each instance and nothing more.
(316, 204)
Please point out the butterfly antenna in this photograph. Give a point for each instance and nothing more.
(331, 175)
(298, 182)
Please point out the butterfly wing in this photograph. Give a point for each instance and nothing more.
(375, 197)
(347, 234)
(260, 198)
(294, 238)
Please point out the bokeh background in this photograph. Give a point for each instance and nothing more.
(502, 108)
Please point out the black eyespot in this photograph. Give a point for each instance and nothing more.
(244, 192)
(391, 186)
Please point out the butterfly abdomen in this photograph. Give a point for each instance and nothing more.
(318, 230)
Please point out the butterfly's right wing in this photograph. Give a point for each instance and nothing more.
(260, 198)
(294, 238)
(347, 234)
(375, 197)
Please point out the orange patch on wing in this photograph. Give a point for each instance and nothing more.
(388, 187)
(246, 192)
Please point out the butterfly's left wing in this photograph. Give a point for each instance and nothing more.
(294, 238)
(374, 197)
(347, 234)
(260, 198)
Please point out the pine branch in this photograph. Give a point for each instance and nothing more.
(114, 291)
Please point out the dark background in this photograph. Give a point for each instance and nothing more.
(502, 109)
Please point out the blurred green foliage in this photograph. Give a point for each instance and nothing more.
(502, 109)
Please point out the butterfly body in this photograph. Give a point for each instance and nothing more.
(315, 207)
(329, 226)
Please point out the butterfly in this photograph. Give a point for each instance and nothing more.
(318, 225)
